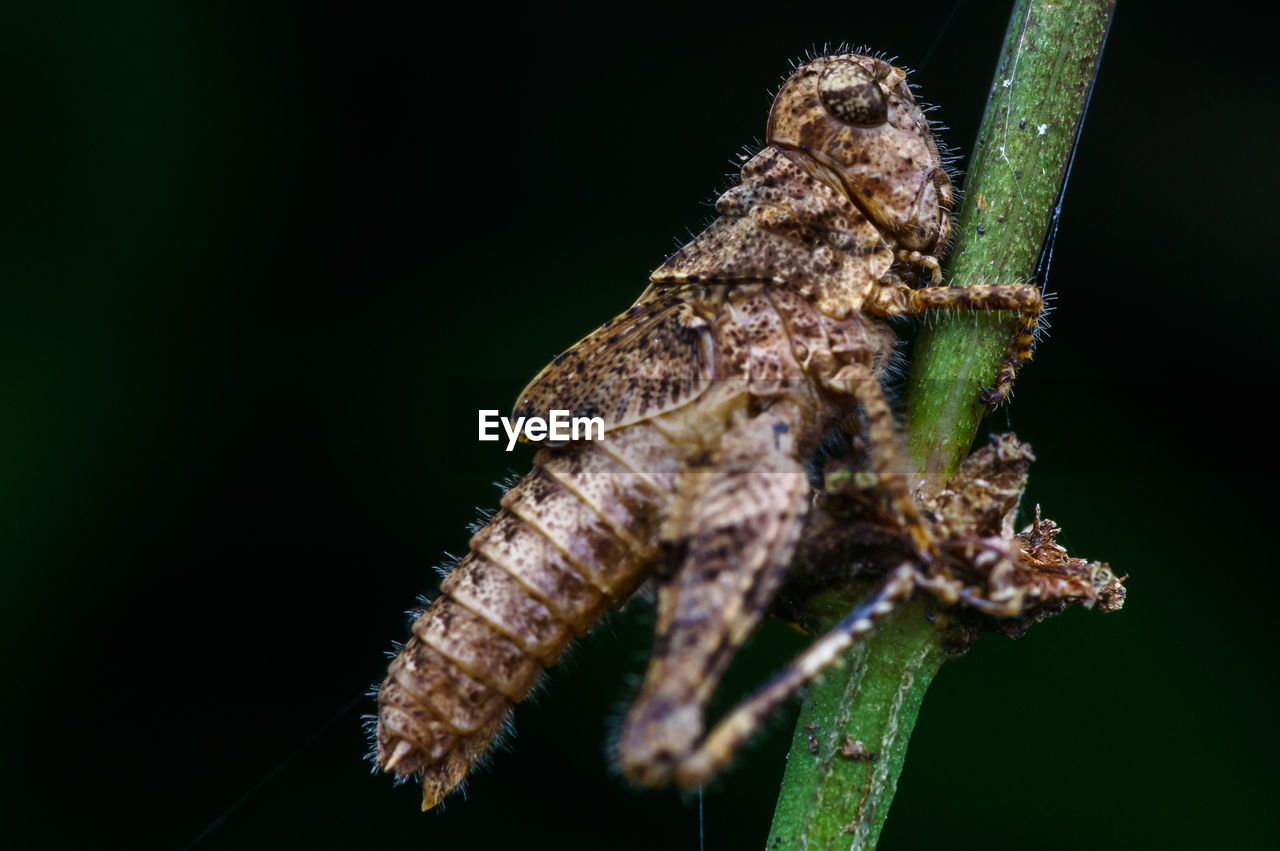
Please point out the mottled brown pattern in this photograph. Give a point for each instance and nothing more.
(478, 648)
(604, 559)
(890, 170)
(461, 702)
(602, 483)
(542, 568)
(648, 454)
(789, 228)
(993, 578)
(653, 358)
(736, 525)
(493, 594)
(751, 342)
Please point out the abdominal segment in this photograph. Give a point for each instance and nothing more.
(574, 539)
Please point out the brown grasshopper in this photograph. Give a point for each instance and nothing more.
(761, 335)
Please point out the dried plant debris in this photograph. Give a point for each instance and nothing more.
(989, 577)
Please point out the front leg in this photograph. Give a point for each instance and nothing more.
(729, 542)
(1025, 299)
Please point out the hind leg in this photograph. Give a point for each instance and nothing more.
(728, 546)
(717, 748)
(728, 549)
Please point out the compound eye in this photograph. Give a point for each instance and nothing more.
(851, 94)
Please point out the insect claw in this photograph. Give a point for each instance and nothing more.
(990, 396)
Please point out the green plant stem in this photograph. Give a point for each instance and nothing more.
(1016, 175)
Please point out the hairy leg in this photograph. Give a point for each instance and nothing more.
(728, 546)
(886, 455)
(717, 748)
(1024, 299)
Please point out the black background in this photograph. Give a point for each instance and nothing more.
(264, 264)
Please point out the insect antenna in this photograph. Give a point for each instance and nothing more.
(937, 39)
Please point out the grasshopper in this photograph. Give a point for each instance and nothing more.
(763, 334)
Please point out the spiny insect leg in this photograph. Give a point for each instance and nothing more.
(890, 468)
(1025, 299)
(743, 721)
(729, 542)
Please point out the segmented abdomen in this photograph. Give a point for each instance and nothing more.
(574, 538)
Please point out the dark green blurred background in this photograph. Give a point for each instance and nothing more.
(263, 264)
